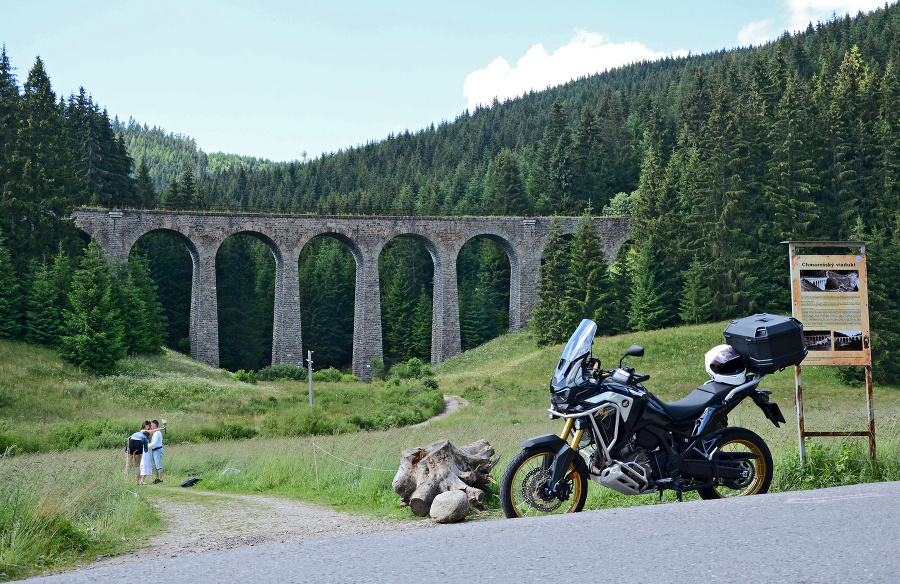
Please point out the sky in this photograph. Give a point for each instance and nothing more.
(280, 79)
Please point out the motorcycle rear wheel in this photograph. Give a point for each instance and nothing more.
(526, 475)
(743, 440)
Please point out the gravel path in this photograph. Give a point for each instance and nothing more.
(452, 404)
(200, 521)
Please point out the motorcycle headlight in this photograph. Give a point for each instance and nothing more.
(560, 396)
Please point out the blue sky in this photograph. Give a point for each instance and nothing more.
(276, 78)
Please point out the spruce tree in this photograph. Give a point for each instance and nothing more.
(397, 314)
(10, 161)
(43, 316)
(473, 321)
(507, 195)
(11, 300)
(697, 301)
(653, 301)
(41, 200)
(590, 292)
(132, 309)
(422, 332)
(621, 286)
(586, 157)
(146, 196)
(152, 334)
(187, 191)
(93, 333)
(554, 315)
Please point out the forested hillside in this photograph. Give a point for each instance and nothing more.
(717, 157)
(54, 289)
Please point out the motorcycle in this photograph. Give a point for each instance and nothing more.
(620, 435)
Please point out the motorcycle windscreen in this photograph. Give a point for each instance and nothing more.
(577, 348)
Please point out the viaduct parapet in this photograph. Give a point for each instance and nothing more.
(202, 233)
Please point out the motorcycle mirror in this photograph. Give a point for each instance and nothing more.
(634, 351)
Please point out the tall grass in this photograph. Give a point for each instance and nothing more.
(58, 510)
(47, 404)
(59, 507)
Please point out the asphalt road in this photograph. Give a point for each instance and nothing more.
(842, 534)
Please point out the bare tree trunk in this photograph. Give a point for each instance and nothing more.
(425, 473)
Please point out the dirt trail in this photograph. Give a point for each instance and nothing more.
(200, 521)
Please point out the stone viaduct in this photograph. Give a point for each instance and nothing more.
(203, 232)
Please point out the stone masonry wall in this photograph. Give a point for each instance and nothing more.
(203, 233)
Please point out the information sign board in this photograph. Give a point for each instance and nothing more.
(830, 298)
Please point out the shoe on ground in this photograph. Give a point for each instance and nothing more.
(156, 481)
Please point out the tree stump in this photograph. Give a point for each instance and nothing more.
(424, 473)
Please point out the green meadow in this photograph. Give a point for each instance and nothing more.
(64, 499)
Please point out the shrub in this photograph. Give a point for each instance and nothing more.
(331, 374)
(379, 371)
(225, 431)
(400, 404)
(282, 372)
(302, 421)
(350, 379)
(412, 369)
(245, 376)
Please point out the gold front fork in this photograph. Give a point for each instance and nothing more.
(567, 429)
(570, 423)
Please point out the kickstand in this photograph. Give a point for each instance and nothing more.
(678, 495)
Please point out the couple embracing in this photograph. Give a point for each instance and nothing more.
(145, 447)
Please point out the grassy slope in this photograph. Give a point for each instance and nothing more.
(505, 381)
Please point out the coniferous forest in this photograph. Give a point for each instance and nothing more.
(718, 158)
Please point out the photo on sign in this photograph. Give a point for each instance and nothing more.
(829, 280)
(848, 341)
(817, 340)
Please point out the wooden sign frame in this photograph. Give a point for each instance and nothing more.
(829, 295)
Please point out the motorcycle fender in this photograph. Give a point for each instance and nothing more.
(551, 440)
(769, 408)
(565, 455)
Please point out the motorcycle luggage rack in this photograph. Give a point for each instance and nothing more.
(598, 436)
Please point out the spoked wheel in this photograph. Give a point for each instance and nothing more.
(523, 488)
(758, 471)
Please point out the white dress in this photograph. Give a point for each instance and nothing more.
(146, 463)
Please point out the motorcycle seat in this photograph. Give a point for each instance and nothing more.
(710, 393)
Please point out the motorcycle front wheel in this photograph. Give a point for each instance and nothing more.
(759, 477)
(523, 490)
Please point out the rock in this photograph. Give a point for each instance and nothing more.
(450, 507)
(440, 467)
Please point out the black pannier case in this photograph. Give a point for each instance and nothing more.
(767, 342)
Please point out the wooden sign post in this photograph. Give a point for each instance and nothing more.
(829, 295)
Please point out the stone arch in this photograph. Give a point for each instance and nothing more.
(344, 238)
(180, 236)
(512, 256)
(444, 298)
(195, 331)
(356, 253)
(268, 239)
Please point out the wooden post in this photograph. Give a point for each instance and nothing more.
(799, 403)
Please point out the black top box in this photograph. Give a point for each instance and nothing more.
(767, 342)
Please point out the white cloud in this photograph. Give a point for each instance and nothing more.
(802, 12)
(757, 33)
(587, 53)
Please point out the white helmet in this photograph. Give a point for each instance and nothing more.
(726, 365)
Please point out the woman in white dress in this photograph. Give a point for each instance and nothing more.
(146, 466)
